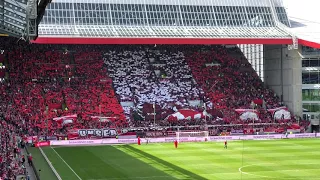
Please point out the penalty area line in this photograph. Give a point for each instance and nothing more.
(66, 164)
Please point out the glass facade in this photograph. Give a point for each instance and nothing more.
(157, 15)
(311, 94)
(310, 77)
(254, 54)
(311, 62)
(311, 82)
(163, 18)
(282, 16)
(310, 51)
(311, 107)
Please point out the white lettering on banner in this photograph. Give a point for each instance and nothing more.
(184, 139)
(306, 135)
(267, 137)
(74, 142)
(222, 137)
(127, 141)
(81, 142)
(97, 132)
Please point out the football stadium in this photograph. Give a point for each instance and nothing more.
(159, 89)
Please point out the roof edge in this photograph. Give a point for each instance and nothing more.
(93, 40)
(309, 43)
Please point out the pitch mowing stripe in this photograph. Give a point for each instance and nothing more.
(152, 162)
(257, 153)
(66, 164)
(279, 159)
(269, 177)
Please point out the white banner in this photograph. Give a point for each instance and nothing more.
(102, 133)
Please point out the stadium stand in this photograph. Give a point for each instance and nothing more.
(146, 75)
(185, 84)
(10, 157)
(56, 83)
(229, 82)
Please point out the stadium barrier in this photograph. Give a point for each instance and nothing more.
(182, 139)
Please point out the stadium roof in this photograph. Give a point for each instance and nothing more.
(165, 22)
(13, 17)
(305, 21)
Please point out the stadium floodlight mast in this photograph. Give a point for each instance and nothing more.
(100, 114)
(47, 126)
(203, 134)
(154, 114)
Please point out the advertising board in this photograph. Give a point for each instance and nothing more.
(183, 139)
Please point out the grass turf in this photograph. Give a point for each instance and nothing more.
(275, 159)
(41, 164)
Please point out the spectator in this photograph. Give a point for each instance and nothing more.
(30, 159)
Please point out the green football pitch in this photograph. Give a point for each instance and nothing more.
(268, 159)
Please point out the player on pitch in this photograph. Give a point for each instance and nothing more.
(176, 143)
(226, 144)
(139, 141)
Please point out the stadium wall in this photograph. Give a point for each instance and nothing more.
(282, 70)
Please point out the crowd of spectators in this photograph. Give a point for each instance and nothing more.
(217, 79)
(230, 83)
(10, 157)
(47, 81)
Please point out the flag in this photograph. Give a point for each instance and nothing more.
(66, 117)
(102, 119)
(187, 114)
(67, 121)
(63, 120)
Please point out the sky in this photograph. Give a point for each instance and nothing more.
(303, 9)
(307, 14)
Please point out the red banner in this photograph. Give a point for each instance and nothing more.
(42, 144)
(31, 139)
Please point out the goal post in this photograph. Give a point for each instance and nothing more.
(203, 134)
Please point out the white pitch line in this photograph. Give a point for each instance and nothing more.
(240, 170)
(141, 177)
(66, 164)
